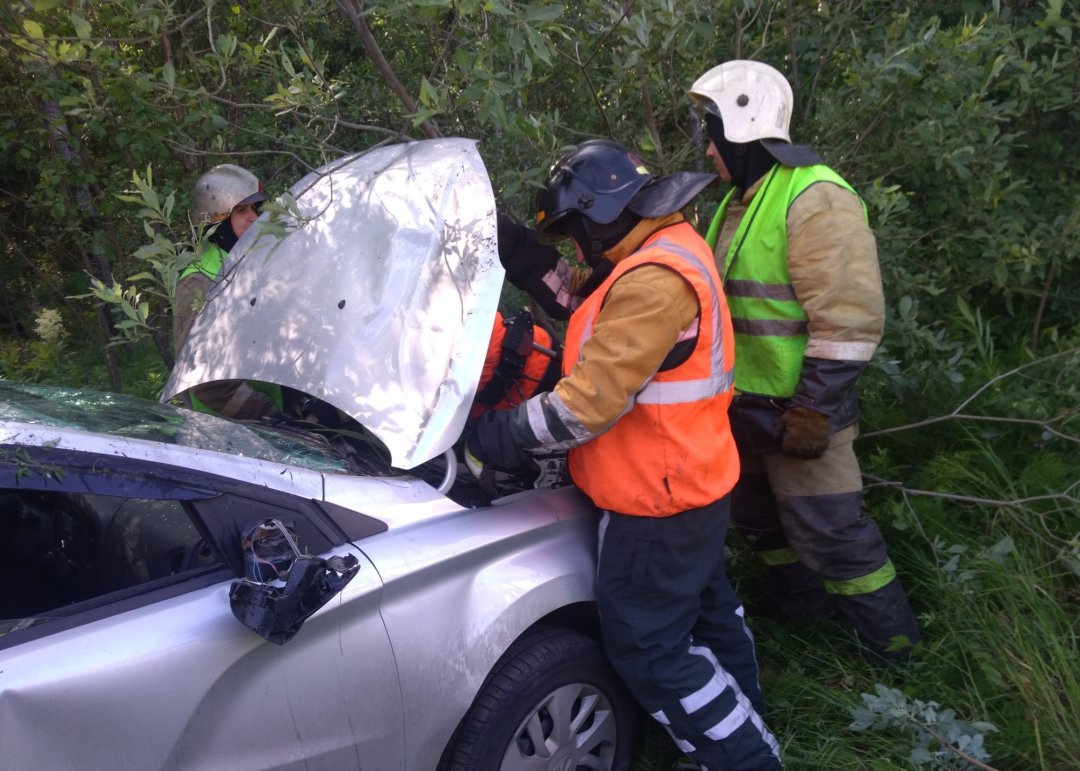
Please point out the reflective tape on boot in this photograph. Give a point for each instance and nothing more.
(783, 556)
(871, 582)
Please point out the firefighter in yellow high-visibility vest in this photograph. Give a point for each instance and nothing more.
(800, 269)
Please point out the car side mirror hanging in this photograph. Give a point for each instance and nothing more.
(282, 588)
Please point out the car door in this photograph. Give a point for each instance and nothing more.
(118, 646)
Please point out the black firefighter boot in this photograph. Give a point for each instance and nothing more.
(798, 593)
(879, 618)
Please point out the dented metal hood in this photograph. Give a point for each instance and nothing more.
(378, 298)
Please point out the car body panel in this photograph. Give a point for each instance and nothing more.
(176, 685)
(380, 677)
(483, 579)
(377, 297)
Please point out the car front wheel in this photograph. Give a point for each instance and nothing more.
(552, 703)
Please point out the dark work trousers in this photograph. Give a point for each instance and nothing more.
(806, 520)
(674, 630)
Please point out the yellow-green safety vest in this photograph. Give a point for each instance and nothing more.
(209, 263)
(770, 324)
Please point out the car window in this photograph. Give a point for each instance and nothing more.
(84, 536)
(60, 550)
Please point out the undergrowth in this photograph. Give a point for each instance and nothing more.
(978, 494)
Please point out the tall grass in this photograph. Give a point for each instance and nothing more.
(1000, 646)
(981, 509)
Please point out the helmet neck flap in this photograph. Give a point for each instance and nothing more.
(594, 239)
(222, 234)
(746, 162)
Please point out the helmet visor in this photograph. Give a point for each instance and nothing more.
(254, 200)
(553, 203)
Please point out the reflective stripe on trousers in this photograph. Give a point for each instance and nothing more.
(811, 512)
(674, 630)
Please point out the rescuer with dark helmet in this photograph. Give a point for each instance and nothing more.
(642, 408)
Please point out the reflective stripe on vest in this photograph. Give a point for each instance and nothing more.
(770, 324)
(690, 390)
(672, 449)
(721, 380)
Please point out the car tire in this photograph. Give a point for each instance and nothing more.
(552, 702)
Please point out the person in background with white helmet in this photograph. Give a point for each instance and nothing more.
(800, 270)
(642, 410)
(227, 200)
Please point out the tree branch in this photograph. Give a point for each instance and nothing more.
(576, 60)
(951, 748)
(957, 413)
(1047, 535)
(1003, 503)
(355, 12)
(650, 122)
(1037, 323)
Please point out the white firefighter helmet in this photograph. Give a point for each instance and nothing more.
(221, 189)
(752, 99)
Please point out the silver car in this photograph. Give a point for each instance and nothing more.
(184, 591)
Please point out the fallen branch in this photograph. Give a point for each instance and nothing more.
(958, 414)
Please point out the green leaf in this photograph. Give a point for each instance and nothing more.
(497, 8)
(33, 29)
(538, 45)
(430, 97)
(168, 74)
(422, 116)
(543, 12)
(81, 25)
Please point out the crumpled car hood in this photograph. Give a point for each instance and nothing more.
(378, 299)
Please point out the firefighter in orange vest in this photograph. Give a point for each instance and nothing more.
(642, 409)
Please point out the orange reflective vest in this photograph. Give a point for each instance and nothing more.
(673, 449)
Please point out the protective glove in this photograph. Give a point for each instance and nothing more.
(491, 443)
(520, 253)
(526, 262)
(806, 433)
